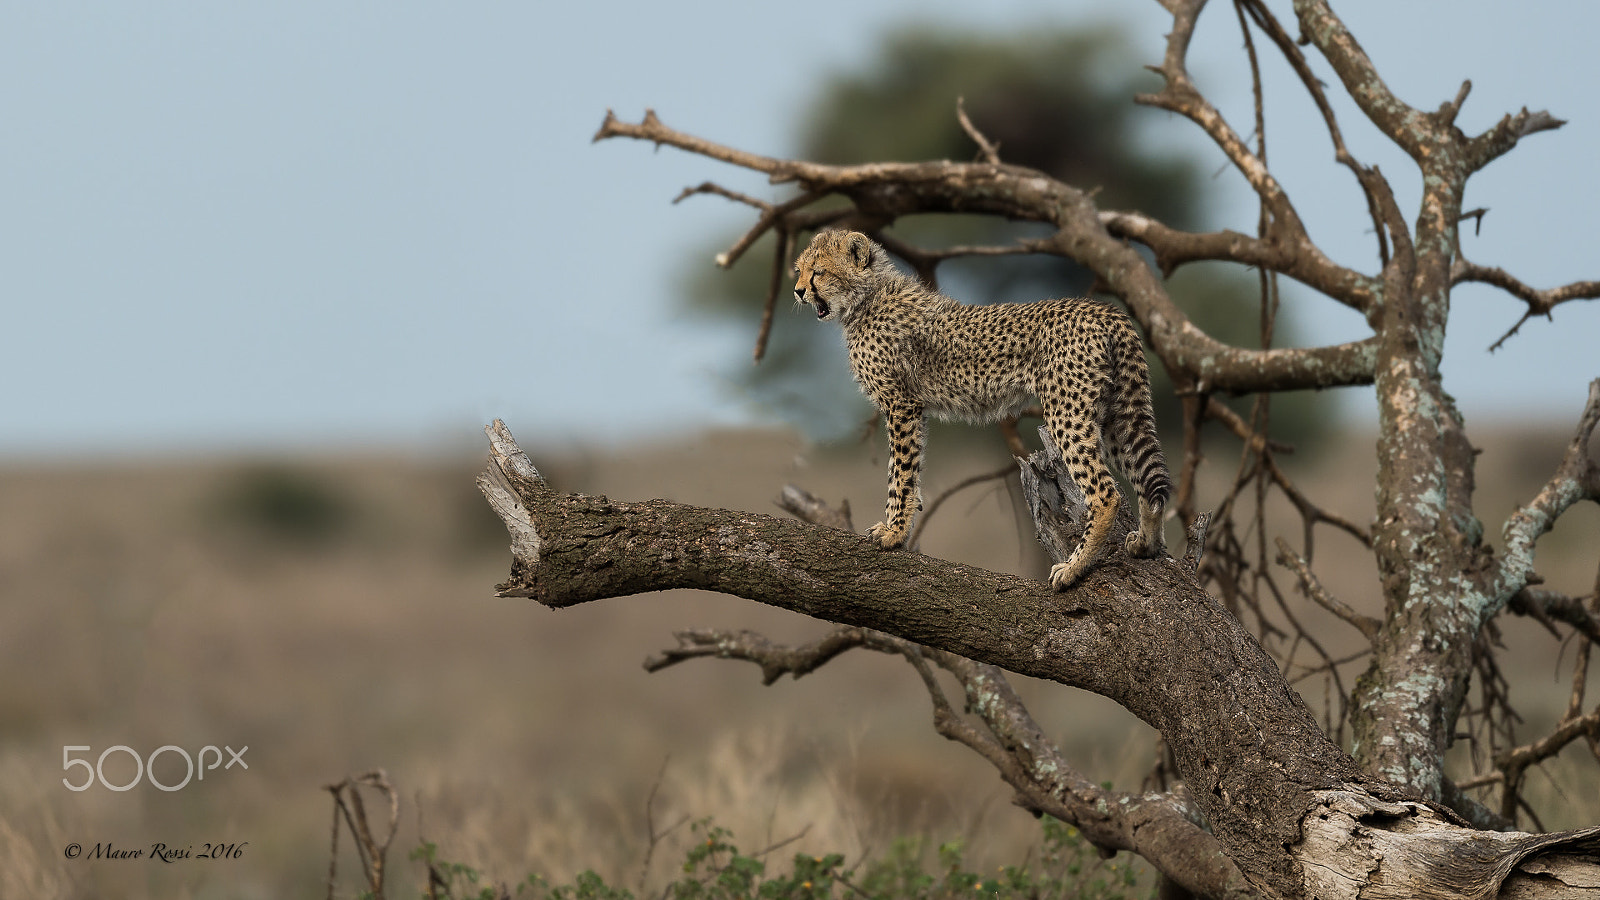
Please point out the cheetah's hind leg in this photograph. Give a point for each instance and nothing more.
(1147, 542)
(1064, 575)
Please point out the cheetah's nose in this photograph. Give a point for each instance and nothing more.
(799, 295)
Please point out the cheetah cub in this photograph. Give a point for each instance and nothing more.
(916, 351)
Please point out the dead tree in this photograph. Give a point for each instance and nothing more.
(1264, 802)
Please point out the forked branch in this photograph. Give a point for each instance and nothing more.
(1514, 763)
(988, 150)
(1540, 302)
(1576, 478)
(1158, 827)
(372, 849)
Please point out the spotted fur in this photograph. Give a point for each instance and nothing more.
(915, 351)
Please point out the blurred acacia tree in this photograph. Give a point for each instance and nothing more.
(1046, 100)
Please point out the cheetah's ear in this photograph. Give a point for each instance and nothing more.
(860, 247)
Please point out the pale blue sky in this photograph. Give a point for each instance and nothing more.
(303, 225)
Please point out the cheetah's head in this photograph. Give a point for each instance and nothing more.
(837, 271)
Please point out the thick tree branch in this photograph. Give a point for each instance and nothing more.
(1401, 123)
(511, 475)
(1158, 827)
(882, 192)
(1285, 803)
(1173, 248)
(1426, 534)
(594, 548)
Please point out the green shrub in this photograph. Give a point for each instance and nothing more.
(283, 505)
(1068, 868)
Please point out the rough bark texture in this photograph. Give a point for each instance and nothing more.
(1140, 632)
(1436, 572)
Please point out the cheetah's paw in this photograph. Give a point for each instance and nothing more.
(887, 538)
(1063, 575)
(1136, 546)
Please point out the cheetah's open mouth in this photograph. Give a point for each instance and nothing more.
(822, 307)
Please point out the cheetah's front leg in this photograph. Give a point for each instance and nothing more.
(905, 424)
